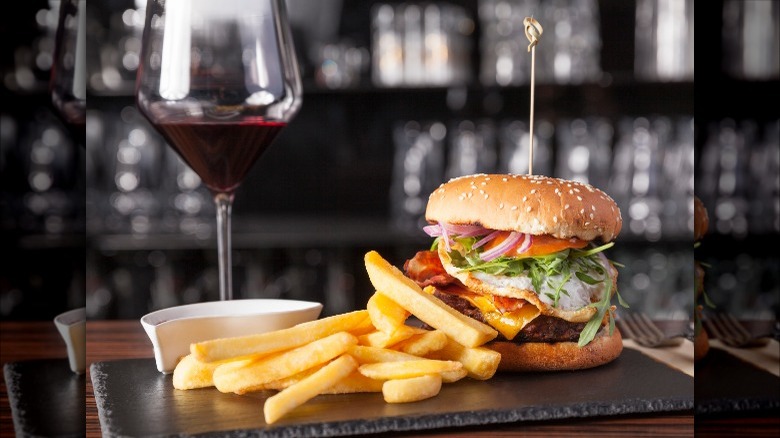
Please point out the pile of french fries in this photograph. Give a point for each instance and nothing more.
(371, 350)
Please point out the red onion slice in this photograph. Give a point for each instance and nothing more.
(500, 249)
(465, 230)
(486, 239)
(432, 230)
(526, 244)
(446, 237)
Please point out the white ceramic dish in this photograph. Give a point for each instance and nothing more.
(172, 330)
(72, 326)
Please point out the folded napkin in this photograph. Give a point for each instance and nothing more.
(766, 357)
(679, 356)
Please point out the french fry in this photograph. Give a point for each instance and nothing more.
(275, 341)
(381, 339)
(253, 375)
(191, 373)
(412, 389)
(407, 369)
(423, 343)
(386, 314)
(366, 354)
(453, 376)
(353, 383)
(280, 404)
(480, 363)
(278, 385)
(390, 281)
(362, 328)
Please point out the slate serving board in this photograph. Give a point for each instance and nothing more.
(134, 399)
(46, 398)
(725, 384)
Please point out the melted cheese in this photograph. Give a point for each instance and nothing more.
(508, 323)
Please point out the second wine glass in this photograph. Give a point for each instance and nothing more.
(219, 80)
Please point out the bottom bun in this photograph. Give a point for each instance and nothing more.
(558, 356)
(701, 345)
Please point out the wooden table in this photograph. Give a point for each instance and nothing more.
(111, 340)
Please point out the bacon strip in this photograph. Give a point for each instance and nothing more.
(426, 269)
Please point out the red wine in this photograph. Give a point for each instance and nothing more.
(221, 153)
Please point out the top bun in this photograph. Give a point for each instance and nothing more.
(531, 204)
(701, 220)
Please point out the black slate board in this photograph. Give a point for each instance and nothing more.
(725, 384)
(134, 399)
(46, 398)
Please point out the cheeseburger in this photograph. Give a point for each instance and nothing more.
(520, 253)
(701, 222)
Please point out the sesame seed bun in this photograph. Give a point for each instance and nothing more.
(532, 204)
(558, 356)
(701, 220)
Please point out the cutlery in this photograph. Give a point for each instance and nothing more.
(731, 332)
(642, 330)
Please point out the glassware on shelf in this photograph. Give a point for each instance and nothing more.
(420, 44)
(664, 40)
(751, 39)
(572, 51)
(219, 80)
(472, 148)
(514, 142)
(418, 168)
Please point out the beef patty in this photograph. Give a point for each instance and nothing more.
(543, 328)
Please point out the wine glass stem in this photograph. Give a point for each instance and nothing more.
(224, 203)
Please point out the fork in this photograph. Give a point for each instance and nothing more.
(731, 332)
(642, 330)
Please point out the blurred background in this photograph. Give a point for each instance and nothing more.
(399, 97)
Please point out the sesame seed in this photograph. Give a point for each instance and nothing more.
(528, 209)
(504, 179)
(582, 211)
(481, 192)
(593, 207)
(525, 198)
(555, 219)
(587, 223)
(577, 190)
(483, 183)
(579, 198)
(486, 195)
(533, 191)
(501, 206)
(566, 207)
(514, 207)
(469, 195)
(571, 192)
(591, 215)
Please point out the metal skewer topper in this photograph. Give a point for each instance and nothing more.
(533, 31)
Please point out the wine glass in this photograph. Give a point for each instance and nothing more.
(219, 80)
(68, 81)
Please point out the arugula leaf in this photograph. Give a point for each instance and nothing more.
(586, 278)
(594, 324)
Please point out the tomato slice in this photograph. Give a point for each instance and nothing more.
(540, 245)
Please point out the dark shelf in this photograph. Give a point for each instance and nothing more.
(289, 232)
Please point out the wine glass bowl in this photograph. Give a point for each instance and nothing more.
(219, 81)
(68, 81)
